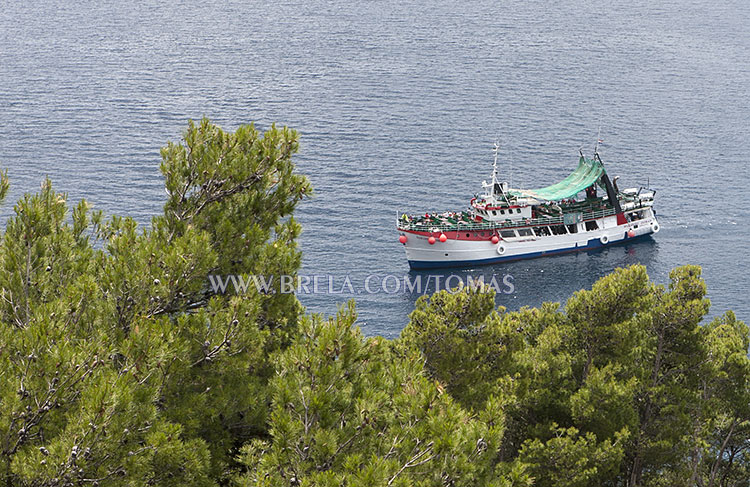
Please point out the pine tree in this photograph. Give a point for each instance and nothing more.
(119, 363)
(349, 410)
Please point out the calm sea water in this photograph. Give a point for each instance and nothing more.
(398, 104)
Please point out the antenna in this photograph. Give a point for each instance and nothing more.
(496, 150)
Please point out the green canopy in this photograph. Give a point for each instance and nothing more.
(587, 173)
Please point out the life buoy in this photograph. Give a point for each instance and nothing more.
(604, 239)
(501, 249)
(655, 227)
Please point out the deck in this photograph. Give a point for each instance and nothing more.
(450, 222)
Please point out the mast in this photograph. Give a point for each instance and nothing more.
(496, 188)
(496, 150)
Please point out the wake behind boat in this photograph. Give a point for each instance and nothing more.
(510, 224)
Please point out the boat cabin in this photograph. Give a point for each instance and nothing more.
(499, 213)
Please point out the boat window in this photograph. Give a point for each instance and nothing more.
(541, 231)
(493, 212)
(507, 233)
(558, 230)
(525, 232)
(573, 228)
(592, 225)
(502, 212)
(518, 210)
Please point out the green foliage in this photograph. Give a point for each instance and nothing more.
(466, 343)
(354, 411)
(120, 365)
(570, 459)
(622, 388)
(4, 185)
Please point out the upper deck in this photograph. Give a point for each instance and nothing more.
(456, 221)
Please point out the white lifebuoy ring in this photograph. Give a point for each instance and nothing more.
(655, 227)
(604, 239)
(501, 249)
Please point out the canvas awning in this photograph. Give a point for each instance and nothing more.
(587, 173)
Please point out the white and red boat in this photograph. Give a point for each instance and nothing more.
(509, 224)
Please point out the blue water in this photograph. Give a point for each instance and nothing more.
(398, 103)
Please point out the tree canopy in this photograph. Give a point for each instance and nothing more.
(120, 365)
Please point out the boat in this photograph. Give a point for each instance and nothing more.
(584, 211)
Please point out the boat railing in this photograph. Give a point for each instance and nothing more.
(403, 223)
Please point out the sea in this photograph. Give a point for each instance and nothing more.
(398, 104)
